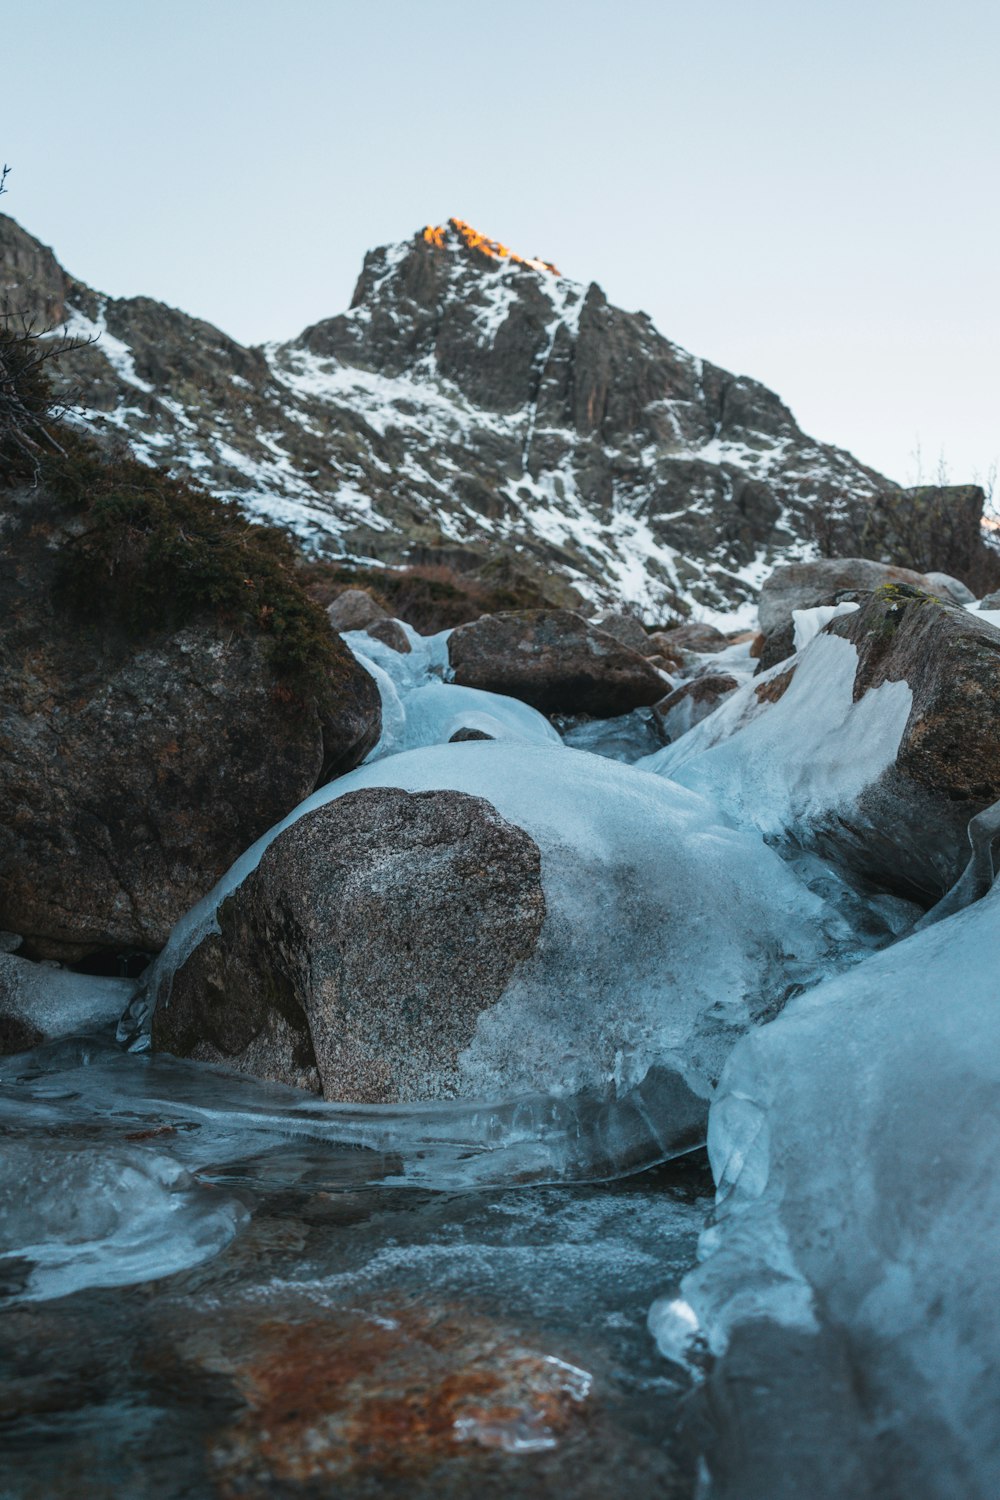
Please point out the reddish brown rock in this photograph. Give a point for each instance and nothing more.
(338, 1395)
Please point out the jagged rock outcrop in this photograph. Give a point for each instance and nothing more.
(135, 768)
(554, 660)
(358, 956)
(474, 410)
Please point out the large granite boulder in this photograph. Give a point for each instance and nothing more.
(358, 956)
(503, 923)
(697, 638)
(354, 609)
(137, 762)
(554, 660)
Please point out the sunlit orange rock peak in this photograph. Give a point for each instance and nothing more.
(434, 235)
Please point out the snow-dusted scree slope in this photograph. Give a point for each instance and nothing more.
(470, 406)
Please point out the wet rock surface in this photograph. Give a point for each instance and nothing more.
(357, 958)
(362, 1337)
(554, 660)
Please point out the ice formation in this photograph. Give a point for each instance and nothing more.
(667, 932)
(74, 1215)
(854, 1142)
(792, 747)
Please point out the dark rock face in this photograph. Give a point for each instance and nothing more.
(554, 660)
(357, 958)
(132, 775)
(625, 628)
(805, 585)
(947, 768)
(521, 404)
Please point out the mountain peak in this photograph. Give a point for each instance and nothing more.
(458, 230)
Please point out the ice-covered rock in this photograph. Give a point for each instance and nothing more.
(357, 958)
(804, 585)
(876, 743)
(854, 1142)
(39, 1002)
(554, 660)
(666, 933)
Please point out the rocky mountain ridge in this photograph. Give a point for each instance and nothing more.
(471, 408)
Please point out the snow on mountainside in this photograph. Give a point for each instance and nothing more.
(471, 407)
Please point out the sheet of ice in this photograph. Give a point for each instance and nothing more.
(628, 738)
(420, 707)
(434, 712)
(667, 933)
(77, 1216)
(781, 765)
(854, 1142)
(809, 622)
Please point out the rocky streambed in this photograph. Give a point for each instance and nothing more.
(387, 1175)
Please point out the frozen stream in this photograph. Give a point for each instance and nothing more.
(212, 1286)
(313, 1324)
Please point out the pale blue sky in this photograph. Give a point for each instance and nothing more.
(803, 192)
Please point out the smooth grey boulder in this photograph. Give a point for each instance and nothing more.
(354, 609)
(554, 660)
(357, 958)
(805, 585)
(698, 638)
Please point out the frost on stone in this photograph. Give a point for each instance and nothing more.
(854, 1142)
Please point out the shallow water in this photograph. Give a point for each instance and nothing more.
(309, 1321)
